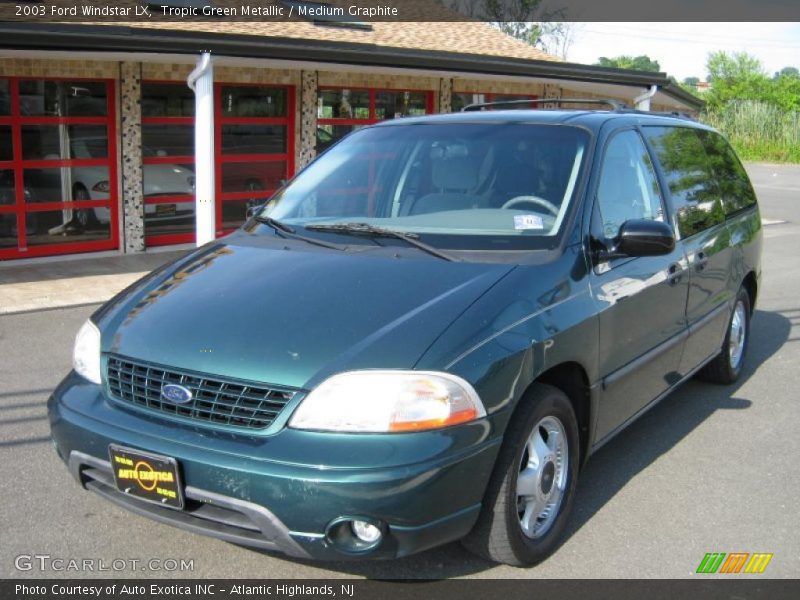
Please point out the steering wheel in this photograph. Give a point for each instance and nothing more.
(551, 208)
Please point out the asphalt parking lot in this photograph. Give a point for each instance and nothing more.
(710, 469)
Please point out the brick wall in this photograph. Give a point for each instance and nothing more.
(26, 67)
(496, 87)
(374, 80)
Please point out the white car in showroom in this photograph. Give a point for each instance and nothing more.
(91, 183)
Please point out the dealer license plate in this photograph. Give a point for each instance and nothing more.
(150, 477)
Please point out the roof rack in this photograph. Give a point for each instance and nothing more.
(614, 104)
(674, 113)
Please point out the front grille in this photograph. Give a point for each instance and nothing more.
(214, 400)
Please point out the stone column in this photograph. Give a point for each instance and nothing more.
(308, 118)
(445, 95)
(130, 92)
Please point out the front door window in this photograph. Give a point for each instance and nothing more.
(628, 186)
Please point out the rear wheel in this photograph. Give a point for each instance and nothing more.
(531, 489)
(726, 367)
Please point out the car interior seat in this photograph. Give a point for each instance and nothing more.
(455, 180)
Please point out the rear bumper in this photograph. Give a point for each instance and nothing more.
(233, 493)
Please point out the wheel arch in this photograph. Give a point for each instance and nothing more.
(572, 379)
(750, 283)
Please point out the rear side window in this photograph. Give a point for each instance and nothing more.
(690, 178)
(732, 179)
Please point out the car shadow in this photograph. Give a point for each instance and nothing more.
(619, 461)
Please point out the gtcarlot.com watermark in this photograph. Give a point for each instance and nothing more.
(49, 563)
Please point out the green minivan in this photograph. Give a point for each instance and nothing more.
(422, 337)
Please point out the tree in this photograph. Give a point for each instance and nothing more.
(785, 92)
(724, 67)
(515, 14)
(637, 63)
(556, 37)
(788, 72)
(690, 85)
(735, 77)
(518, 18)
(691, 81)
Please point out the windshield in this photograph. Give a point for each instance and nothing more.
(456, 185)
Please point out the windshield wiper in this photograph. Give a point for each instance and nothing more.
(374, 231)
(287, 231)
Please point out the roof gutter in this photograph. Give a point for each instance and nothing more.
(112, 38)
(643, 102)
(678, 93)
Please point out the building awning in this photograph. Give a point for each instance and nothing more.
(326, 54)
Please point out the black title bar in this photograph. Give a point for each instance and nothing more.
(360, 13)
(346, 589)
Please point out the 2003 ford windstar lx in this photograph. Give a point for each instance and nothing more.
(422, 337)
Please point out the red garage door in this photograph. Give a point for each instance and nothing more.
(254, 143)
(58, 175)
(342, 110)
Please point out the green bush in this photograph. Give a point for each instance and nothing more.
(758, 130)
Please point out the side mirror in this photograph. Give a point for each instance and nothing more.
(642, 237)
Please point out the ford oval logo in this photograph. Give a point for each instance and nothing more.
(177, 394)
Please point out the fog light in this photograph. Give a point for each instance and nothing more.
(366, 532)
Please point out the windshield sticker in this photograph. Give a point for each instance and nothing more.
(528, 222)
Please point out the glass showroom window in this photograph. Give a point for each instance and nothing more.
(58, 179)
(342, 110)
(168, 157)
(255, 147)
(254, 140)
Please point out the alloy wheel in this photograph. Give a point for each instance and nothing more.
(542, 478)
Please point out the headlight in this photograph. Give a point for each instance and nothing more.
(86, 354)
(388, 401)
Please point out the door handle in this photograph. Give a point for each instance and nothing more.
(674, 273)
(700, 261)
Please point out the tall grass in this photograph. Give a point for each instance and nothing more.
(759, 130)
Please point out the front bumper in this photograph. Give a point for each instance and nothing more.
(282, 492)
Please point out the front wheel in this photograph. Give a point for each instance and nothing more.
(530, 493)
(726, 367)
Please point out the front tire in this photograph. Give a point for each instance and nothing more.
(530, 492)
(726, 367)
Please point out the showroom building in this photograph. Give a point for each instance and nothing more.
(97, 121)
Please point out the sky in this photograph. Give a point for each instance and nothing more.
(682, 48)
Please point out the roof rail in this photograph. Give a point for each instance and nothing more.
(614, 104)
(675, 113)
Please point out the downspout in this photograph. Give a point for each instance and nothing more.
(643, 102)
(201, 82)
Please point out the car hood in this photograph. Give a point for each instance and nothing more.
(291, 316)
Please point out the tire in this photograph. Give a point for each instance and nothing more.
(85, 217)
(726, 367)
(498, 534)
